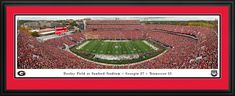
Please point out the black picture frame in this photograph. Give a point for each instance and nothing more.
(6, 92)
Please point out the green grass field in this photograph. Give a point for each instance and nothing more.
(116, 48)
(90, 48)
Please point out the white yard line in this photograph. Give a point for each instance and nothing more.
(85, 43)
(116, 40)
(155, 48)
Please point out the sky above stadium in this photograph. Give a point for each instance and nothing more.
(142, 18)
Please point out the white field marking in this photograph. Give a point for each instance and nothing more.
(116, 40)
(155, 48)
(85, 43)
(116, 65)
(116, 57)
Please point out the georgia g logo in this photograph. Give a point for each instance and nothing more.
(21, 73)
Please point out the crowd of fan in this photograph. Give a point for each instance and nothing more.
(32, 54)
(117, 34)
(112, 22)
(185, 52)
(113, 27)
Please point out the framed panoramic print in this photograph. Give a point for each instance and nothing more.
(125, 47)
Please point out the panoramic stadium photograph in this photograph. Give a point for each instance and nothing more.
(117, 42)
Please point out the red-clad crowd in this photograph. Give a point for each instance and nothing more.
(200, 53)
(185, 52)
(112, 22)
(113, 27)
(117, 34)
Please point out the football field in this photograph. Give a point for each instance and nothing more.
(117, 51)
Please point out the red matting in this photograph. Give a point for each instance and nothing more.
(120, 83)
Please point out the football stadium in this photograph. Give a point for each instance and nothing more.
(118, 44)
